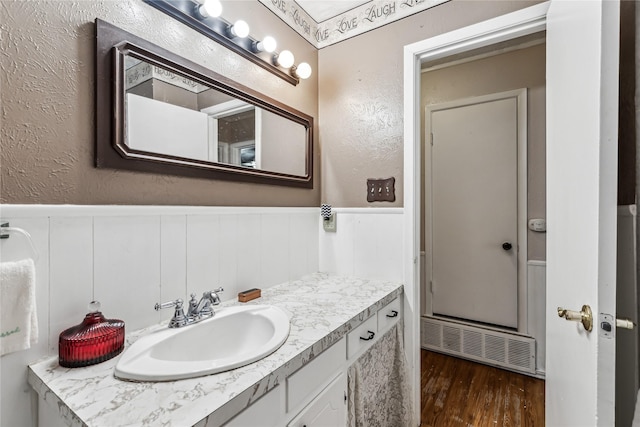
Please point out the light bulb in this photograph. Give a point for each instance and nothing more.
(239, 29)
(303, 70)
(285, 59)
(268, 44)
(210, 8)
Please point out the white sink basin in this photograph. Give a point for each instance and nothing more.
(234, 337)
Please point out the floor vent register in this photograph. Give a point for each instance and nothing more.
(507, 350)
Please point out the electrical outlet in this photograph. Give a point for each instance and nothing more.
(381, 190)
(329, 224)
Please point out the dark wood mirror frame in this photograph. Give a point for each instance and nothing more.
(112, 152)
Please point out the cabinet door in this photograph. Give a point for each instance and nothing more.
(328, 409)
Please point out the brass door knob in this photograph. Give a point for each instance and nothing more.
(585, 316)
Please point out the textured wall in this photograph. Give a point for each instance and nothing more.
(47, 136)
(523, 68)
(361, 96)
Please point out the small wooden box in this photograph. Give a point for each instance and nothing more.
(249, 294)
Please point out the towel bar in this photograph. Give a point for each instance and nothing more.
(6, 230)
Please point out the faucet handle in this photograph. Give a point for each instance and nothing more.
(169, 304)
(178, 319)
(213, 296)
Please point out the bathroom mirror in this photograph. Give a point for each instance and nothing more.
(161, 113)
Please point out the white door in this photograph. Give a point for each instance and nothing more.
(473, 208)
(582, 120)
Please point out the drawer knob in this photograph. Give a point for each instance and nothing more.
(370, 337)
(393, 314)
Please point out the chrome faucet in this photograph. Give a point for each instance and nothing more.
(197, 311)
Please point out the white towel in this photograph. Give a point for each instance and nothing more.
(18, 319)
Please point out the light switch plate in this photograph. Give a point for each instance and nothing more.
(381, 190)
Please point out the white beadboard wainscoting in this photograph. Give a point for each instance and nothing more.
(130, 257)
(368, 243)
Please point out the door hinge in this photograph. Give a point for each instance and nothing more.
(432, 139)
(431, 286)
(345, 397)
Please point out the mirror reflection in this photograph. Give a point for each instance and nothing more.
(172, 115)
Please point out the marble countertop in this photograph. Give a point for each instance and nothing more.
(322, 309)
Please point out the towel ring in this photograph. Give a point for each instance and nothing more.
(5, 232)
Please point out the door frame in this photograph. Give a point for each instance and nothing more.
(524, 22)
(582, 117)
(521, 122)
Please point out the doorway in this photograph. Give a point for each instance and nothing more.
(509, 330)
(582, 81)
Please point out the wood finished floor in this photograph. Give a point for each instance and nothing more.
(457, 392)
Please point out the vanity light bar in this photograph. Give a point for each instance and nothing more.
(210, 8)
(239, 29)
(302, 71)
(267, 44)
(204, 17)
(284, 59)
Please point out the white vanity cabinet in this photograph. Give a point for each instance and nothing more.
(316, 394)
(307, 378)
(313, 396)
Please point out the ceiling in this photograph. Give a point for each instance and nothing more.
(325, 22)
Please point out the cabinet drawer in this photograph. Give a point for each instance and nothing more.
(389, 315)
(310, 379)
(362, 336)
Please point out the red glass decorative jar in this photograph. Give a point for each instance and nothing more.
(94, 340)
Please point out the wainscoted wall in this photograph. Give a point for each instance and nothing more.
(130, 257)
(367, 243)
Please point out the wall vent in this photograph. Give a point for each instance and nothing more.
(508, 350)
